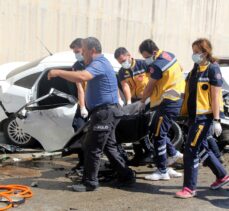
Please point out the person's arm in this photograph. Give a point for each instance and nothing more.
(155, 75)
(81, 95)
(77, 76)
(126, 91)
(148, 90)
(216, 83)
(215, 96)
(120, 101)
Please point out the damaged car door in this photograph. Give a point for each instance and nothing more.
(49, 120)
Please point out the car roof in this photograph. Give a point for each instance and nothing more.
(66, 58)
(6, 68)
(69, 57)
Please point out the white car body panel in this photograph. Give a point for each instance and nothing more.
(53, 127)
(225, 75)
(2, 114)
(5, 69)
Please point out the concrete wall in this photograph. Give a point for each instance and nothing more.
(173, 24)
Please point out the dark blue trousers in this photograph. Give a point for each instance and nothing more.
(213, 146)
(197, 150)
(167, 111)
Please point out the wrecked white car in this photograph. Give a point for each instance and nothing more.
(22, 84)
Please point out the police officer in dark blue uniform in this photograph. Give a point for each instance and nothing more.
(81, 115)
(102, 102)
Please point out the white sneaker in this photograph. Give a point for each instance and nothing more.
(172, 160)
(157, 176)
(174, 174)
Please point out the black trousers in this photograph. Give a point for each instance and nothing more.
(101, 138)
(78, 122)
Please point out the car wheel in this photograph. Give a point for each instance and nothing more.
(15, 135)
(224, 138)
(176, 135)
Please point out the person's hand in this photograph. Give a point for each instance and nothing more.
(53, 73)
(217, 128)
(121, 102)
(128, 102)
(84, 112)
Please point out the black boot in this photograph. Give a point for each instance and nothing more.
(142, 158)
(138, 155)
(123, 153)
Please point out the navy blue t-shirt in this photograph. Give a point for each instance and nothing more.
(102, 89)
(78, 66)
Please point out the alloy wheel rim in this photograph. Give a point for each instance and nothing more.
(17, 134)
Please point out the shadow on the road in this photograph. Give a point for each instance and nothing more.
(222, 193)
(52, 178)
(203, 193)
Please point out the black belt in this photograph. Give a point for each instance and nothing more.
(103, 107)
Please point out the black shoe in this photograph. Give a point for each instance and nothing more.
(78, 166)
(126, 182)
(76, 171)
(80, 187)
(140, 160)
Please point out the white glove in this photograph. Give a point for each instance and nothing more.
(128, 102)
(121, 102)
(84, 112)
(141, 106)
(217, 128)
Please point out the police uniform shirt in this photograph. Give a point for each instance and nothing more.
(215, 79)
(137, 77)
(102, 89)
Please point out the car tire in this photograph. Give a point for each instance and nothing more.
(176, 135)
(15, 135)
(224, 138)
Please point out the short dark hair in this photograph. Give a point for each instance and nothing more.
(92, 42)
(120, 51)
(76, 43)
(149, 46)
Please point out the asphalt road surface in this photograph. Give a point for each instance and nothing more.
(54, 194)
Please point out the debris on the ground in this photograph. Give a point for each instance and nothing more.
(34, 184)
(46, 154)
(9, 148)
(16, 159)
